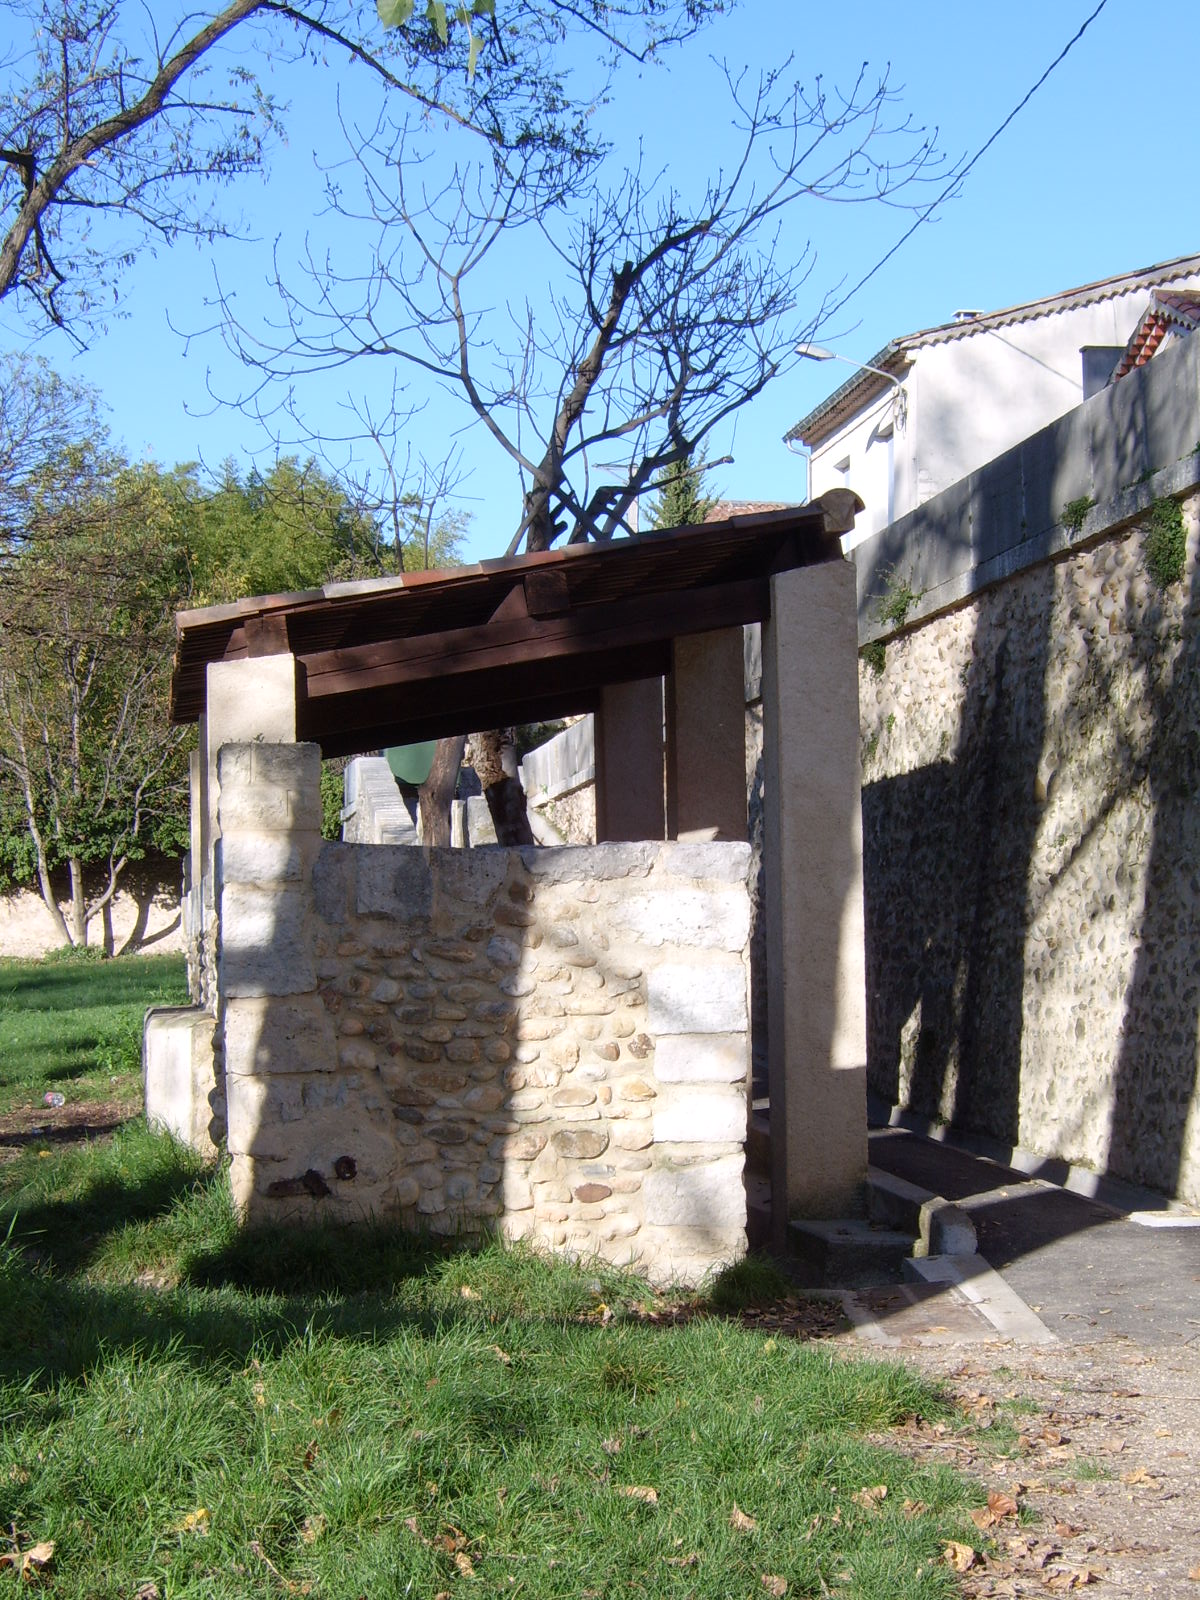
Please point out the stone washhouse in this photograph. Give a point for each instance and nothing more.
(552, 1043)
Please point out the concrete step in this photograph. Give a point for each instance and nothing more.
(848, 1253)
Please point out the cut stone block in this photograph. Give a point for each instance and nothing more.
(266, 946)
(708, 1195)
(178, 1075)
(393, 881)
(265, 1034)
(697, 999)
(702, 1058)
(693, 918)
(700, 1116)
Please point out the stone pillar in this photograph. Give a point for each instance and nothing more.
(629, 761)
(706, 737)
(273, 1026)
(816, 987)
(250, 700)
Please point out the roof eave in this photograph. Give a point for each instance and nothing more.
(859, 389)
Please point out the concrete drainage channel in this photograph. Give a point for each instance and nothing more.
(947, 1292)
(909, 1272)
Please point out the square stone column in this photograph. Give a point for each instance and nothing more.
(812, 849)
(272, 1028)
(706, 736)
(249, 701)
(628, 731)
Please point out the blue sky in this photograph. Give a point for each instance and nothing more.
(1094, 177)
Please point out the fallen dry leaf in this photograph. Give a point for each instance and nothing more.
(999, 1506)
(739, 1520)
(30, 1562)
(466, 1567)
(1067, 1530)
(914, 1508)
(311, 1529)
(468, 1293)
(611, 1447)
(1139, 1477)
(147, 1591)
(1194, 1574)
(501, 1355)
(192, 1522)
(310, 1455)
(959, 1556)
(869, 1499)
(1070, 1578)
(692, 1559)
(452, 1540)
(639, 1491)
(774, 1584)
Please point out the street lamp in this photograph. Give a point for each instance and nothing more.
(818, 352)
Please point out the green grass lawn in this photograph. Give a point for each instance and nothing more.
(188, 1410)
(75, 1026)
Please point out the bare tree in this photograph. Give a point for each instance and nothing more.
(105, 117)
(664, 316)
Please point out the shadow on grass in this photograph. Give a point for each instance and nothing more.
(152, 1261)
(63, 1235)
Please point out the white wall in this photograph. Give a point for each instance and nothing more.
(969, 399)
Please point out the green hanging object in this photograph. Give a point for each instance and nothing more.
(411, 762)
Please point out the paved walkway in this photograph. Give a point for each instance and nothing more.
(1052, 1265)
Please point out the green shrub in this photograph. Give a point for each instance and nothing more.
(1074, 513)
(897, 600)
(1166, 542)
(875, 656)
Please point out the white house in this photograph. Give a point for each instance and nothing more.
(948, 399)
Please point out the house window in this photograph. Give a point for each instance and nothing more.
(883, 465)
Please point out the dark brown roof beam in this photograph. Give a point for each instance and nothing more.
(503, 646)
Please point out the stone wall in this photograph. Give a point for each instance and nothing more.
(550, 1043)
(1031, 803)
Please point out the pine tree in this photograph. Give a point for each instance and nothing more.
(681, 501)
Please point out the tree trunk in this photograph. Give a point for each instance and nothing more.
(436, 793)
(494, 758)
(78, 904)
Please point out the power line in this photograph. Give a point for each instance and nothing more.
(979, 154)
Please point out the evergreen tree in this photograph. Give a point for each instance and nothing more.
(681, 501)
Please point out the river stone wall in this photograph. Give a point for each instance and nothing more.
(549, 1043)
(1031, 809)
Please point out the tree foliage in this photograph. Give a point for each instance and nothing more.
(117, 123)
(95, 558)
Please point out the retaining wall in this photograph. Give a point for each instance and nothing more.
(1031, 803)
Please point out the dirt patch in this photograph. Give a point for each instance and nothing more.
(1106, 1472)
(69, 1124)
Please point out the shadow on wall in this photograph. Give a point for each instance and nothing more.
(948, 849)
(1033, 903)
(143, 918)
(1158, 1068)
(547, 1043)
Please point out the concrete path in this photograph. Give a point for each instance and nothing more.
(1052, 1265)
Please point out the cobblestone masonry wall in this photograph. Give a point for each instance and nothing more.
(552, 1043)
(1031, 806)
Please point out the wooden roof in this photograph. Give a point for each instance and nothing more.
(394, 660)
